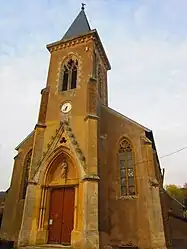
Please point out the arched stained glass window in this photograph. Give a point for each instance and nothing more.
(127, 177)
(26, 173)
(69, 77)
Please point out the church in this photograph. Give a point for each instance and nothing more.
(86, 177)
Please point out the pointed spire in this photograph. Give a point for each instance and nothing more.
(79, 26)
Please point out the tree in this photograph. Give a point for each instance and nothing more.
(176, 192)
(185, 185)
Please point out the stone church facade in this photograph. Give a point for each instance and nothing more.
(86, 176)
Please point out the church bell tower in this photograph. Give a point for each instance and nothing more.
(76, 60)
(67, 134)
(77, 82)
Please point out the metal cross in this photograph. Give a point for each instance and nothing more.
(83, 4)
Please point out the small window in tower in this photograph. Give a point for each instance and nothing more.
(74, 77)
(94, 65)
(65, 79)
(100, 81)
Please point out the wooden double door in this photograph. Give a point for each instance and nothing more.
(61, 215)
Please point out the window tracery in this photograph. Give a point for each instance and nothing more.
(127, 176)
(69, 75)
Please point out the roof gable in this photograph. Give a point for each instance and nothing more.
(124, 117)
(24, 140)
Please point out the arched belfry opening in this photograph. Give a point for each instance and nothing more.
(69, 74)
(59, 197)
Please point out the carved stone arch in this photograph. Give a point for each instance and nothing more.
(125, 142)
(120, 139)
(127, 138)
(45, 167)
(61, 169)
(54, 174)
(71, 55)
(26, 172)
(76, 58)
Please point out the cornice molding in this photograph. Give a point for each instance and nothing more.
(92, 35)
(91, 116)
(40, 126)
(90, 178)
(68, 43)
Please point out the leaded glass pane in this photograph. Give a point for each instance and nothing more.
(122, 173)
(131, 181)
(123, 182)
(122, 164)
(129, 155)
(130, 172)
(122, 156)
(131, 190)
(123, 190)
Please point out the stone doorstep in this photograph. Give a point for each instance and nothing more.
(47, 246)
(55, 246)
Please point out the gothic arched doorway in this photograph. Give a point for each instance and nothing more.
(58, 200)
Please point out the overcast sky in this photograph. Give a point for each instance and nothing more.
(146, 43)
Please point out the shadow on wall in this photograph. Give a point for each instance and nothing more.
(2, 203)
(4, 244)
(1, 217)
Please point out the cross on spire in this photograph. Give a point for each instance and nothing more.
(80, 25)
(83, 4)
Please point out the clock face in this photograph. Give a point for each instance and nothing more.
(66, 107)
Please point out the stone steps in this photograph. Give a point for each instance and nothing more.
(47, 246)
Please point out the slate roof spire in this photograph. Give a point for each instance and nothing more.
(80, 25)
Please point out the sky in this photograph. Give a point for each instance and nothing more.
(146, 43)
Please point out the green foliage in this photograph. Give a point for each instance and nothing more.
(185, 185)
(175, 191)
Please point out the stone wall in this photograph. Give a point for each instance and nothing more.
(14, 204)
(127, 220)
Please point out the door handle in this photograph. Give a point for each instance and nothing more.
(50, 221)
